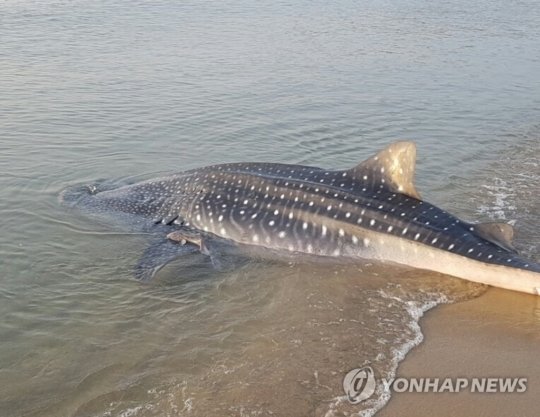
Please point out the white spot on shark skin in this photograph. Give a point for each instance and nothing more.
(255, 238)
(354, 239)
(324, 230)
(348, 214)
(341, 232)
(276, 212)
(253, 216)
(434, 241)
(304, 225)
(271, 223)
(223, 231)
(366, 242)
(220, 218)
(451, 246)
(282, 234)
(309, 248)
(390, 228)
(372, 222)
(417, 236)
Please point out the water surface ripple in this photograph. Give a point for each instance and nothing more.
(131, 89)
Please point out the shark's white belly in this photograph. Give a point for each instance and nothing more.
(405, 252)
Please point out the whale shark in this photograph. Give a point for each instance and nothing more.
(371, 211)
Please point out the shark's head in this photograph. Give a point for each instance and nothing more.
(144, 199)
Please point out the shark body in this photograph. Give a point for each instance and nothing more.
(371, 211)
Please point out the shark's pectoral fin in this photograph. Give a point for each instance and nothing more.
(500, 234)
(393, 168)
(185, 241)
(159, 254)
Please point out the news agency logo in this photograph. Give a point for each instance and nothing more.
(359, 384)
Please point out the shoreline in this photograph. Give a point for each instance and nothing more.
(494, 335)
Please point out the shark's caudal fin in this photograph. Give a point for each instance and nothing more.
(394, 167)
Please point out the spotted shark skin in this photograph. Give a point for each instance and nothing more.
(371, 211)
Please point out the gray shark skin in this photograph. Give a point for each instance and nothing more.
(371, 211)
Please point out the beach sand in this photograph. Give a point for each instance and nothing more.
(494, 335)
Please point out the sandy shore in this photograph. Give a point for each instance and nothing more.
(497, 334)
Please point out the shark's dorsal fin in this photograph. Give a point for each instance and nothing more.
(393, 167)
(501, 234)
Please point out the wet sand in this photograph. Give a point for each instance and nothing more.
(497, 334)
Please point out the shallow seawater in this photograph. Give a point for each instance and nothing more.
(116, 90)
